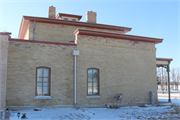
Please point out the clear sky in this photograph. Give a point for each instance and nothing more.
(151, 18)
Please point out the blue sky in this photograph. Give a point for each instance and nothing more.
(151, 18)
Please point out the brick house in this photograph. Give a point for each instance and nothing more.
(61, 61)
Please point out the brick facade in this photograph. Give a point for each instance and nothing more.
(126, 65)
(23, 58)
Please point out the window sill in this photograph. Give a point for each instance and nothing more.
(42, 97)
(93, 96)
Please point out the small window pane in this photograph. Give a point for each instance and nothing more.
(39, 90)
(89, 84)
(46, 72)
(90, 75)
(39, 84)
(95, 90)
(45, 84)
(45, 79)
(39, 72)
(45, 90)
(95, 74)
(89, 90)
(90, 79)
(95, 84)
(39, 80)
(95, 80)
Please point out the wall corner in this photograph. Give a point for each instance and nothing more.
(4, 43)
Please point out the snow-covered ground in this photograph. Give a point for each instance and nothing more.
(169, 111)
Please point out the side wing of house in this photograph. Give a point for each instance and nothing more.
(109, 65)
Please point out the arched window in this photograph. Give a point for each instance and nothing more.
(43, 81)
(73, 20)
(93, 81)
(65, 19)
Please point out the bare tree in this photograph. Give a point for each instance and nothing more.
(165, 76)
(162, 79)
(158, 71)
(177, 79)
(173, 76)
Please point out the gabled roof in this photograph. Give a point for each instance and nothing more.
(26, 19)
(117, 35)
(68, 15)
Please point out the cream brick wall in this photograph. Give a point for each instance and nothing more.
(4, 43)
(23, 58)
(127, 67)
(57, 32)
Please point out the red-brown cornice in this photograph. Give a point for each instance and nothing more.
(5, 33)
(42, 42)
(117, 35)
(164, 59)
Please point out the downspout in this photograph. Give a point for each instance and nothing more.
(168, 69)
(75, 53)
(75, 80)
(34, 29)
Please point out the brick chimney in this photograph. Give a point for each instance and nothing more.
(91, 17)
(51, 12)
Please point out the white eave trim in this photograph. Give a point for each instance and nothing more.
(159, 62)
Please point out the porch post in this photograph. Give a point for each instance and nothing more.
(168, 69)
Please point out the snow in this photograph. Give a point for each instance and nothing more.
(174, 101)
(3, 114)
(165, 111)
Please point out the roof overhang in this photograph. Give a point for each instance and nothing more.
(5, 33)
(26, 19)
(117, 35)
(161, 62)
